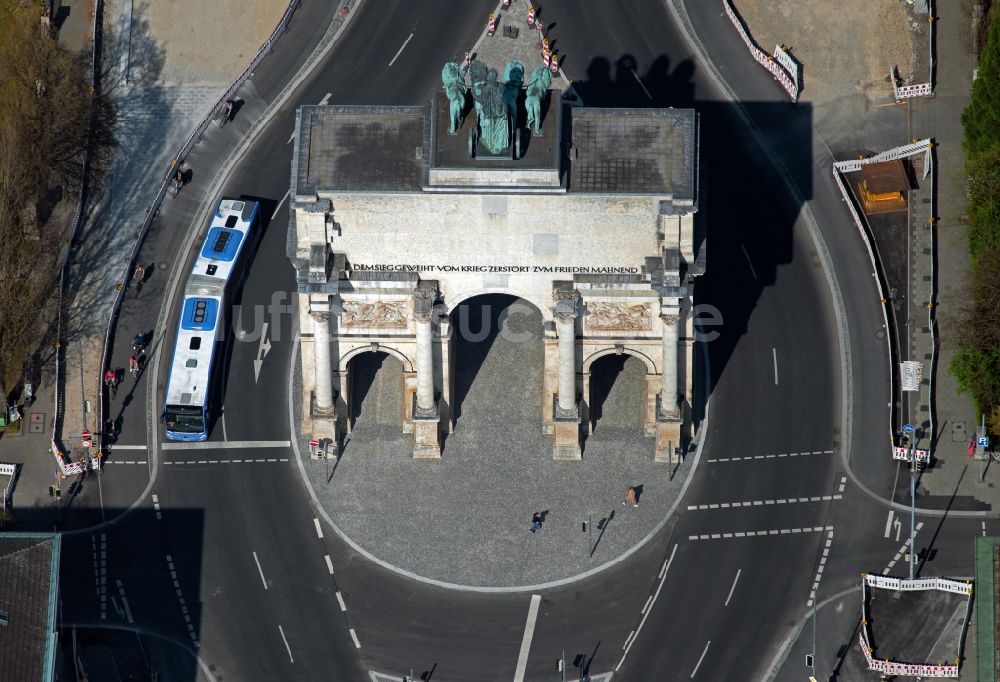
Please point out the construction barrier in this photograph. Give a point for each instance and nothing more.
(906, 150)
(919, 584)
(903, 454)
(793, 68)
(894, 668)
(761, 57)
(901, 92)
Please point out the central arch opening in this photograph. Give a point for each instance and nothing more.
(617, 396)
(376, 395)
(497, 360)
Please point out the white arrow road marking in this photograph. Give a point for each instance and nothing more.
(262, 351)
(898, 524)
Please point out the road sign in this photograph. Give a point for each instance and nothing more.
(85, 435)
(983, 441)
(908, 428)
(313, 443)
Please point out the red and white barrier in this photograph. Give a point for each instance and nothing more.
(919, 584)
(492, 24)
(555, 65)
(761, 57)
(901, 92)
(531, 16)
(903, 455)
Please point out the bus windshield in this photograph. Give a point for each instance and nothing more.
(185, 419)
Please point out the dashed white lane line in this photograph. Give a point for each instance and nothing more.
(632, 637)
(400, 51)
(701, 658)
(774, 354)
(319, 529)
(329, 564)
(820, 569)
(529, 633)
(340, 600)
(759, 533)
(104, 577)
(733, 588)
(752, 271)
(156, 506)
(354, 636)
(285, 640)
(128, 611)
(260, 570)
(843, 484)
(648, 602)
(804, 453)
(902, 549)
(760, 503)
(183, 604)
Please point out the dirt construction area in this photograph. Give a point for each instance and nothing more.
(845, 47)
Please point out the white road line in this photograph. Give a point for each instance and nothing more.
(752, 271)
(354, 636)
(648, 602)
(761, 503)
(288, 648)
(116, 446)
(319, 529)
(326, 98)
(843, 484)
(260, 570)
(628, 639)
(329, 564)
(663, 573)
(284, 197)
(225, 436)
(400, 51)
(226, 445)
(641, 85)
(529, 633)
(759, 533)
(700, 659)
(820, 569)
(340, 600)
(984, 529)
(774, 354)
(731, 589)
(888, 523)
(755, 457)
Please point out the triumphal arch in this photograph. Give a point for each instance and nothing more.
(497, 184)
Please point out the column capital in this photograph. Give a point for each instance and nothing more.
(670, 318)
(566, 304)
(423, 304)
(320, 316)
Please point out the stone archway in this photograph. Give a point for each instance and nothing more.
(374, 394)
(496, 360)
(617, 396)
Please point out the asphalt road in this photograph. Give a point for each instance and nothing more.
(722, 605)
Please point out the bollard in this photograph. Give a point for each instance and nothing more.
(531, 16)
(555, 64)
(492, 25)
(545, 59)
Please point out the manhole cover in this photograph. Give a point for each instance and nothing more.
(958, 432)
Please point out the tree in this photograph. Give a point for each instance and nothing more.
(981, 119)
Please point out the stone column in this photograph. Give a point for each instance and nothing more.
(321, 362)
(426, 419)
(668, 391)
(668, 418)
(567, 413)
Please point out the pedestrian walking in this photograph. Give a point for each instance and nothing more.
(536, 522)
(630, 497)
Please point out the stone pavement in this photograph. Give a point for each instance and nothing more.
(464, 519)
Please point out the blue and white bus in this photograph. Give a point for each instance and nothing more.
(201, 328)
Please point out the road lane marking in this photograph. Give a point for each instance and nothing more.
(902, 549)
(117, 446)
(180, 599)
(283, 198)
(888, 523)
(529, 633)
(260, 570)
(628, 639)
(326, 98)
(226, 445)
(319, 529)
(641, 84)
(779, 456)
(752, 271)
(400, 50)
(984, 529)
(843, 484)
(340, 600)
(329, 564)
(663, 574)
(217, 461)
(761, 503)
(285, 640)
(354, 636)
(648, 602)
(774, 354)
(156, 506)
(820, 569)
(761, 533)
(700, 659)
(733, 588)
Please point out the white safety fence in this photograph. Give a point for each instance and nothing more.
(905, 151)
(789, 82)
(919, 584)
(9, 470)
(897, 668)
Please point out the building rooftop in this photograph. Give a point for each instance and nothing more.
(393, 149)
(29, 570)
